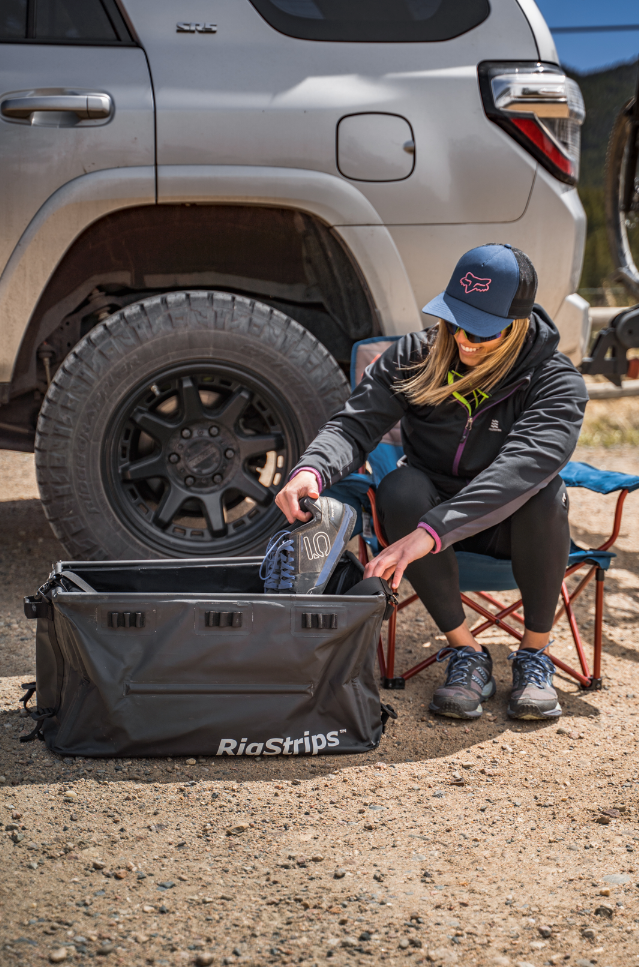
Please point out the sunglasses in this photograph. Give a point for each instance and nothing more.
(471, 337)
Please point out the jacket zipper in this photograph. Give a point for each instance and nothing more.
(471, 419)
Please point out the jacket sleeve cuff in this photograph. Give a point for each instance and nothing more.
(310, 470)
(434, 535)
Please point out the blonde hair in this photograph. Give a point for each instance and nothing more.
(428, 386)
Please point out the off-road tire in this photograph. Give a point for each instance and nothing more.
(102, 372)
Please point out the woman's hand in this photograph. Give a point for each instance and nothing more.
(303, 484)
(394, 560)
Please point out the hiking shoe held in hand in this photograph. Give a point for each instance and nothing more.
(533, 696)
(301, 561)
(469, 681)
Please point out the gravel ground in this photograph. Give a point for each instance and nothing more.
(469, 844)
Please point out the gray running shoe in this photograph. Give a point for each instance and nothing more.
(301, 561)
(533, 696)
(469, 680)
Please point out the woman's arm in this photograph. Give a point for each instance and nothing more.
(373, 408)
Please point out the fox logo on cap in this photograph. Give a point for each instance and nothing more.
(471, 283)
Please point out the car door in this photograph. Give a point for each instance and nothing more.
(75, 97)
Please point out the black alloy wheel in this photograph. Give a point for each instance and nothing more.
(196, 455)
(169, 429)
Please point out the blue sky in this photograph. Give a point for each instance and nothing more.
(592, 51)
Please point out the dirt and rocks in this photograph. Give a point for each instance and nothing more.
(491, 843)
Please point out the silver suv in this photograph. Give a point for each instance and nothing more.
(204, 203)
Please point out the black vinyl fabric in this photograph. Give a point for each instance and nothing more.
(191, 658)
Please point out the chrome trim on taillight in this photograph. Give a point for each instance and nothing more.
(540, 107)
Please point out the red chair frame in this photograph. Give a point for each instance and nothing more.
(586, 678)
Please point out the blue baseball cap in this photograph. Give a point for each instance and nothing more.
(491, 285)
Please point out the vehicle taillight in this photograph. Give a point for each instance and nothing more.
(540, 108)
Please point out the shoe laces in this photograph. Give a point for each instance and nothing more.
(278, 566)
(536, 668)
(458, 661)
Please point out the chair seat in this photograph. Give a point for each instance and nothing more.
(479, 572)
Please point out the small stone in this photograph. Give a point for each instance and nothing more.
(120, 874)
(604, 911)
(605, 891)
(582, 962)
(163, 909)
(105, 949)
(441, 955)
(17, 837)
(191, 762)
(524, 963)
(364, 935)
(500, 961)
(203, 960)
(613, 813)
(415, 942)
(537, 944)
(588, 933)
(16, 815)
(237, 829)
(317, 858)
(167, 885)
(603, 820)
(32, 866)
(147, 908)
(617, 878)
(98, 864)
(339, 874)
(545, 932)
(403, 943)
(379, 877)
(70, 796)
(58, 955)
(3, 779)
(349, 942)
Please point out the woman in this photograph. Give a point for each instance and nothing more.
(490, 412)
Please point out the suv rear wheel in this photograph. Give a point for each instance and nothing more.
(171, 426)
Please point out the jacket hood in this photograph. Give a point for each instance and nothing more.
(540, 344)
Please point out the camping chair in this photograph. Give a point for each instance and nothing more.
(480, 574)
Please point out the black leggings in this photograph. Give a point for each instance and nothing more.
(536, 538)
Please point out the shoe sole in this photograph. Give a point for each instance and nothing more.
(532, 712)
(452, 710)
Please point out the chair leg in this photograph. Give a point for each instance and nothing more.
(389, 680)
(599, 599)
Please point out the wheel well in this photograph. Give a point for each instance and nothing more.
(285, 258)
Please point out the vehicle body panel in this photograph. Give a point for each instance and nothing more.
(40, 155)
(250, 95)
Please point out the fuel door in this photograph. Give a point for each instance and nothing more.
(375, 147)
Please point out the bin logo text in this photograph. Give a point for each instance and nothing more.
(308, 744)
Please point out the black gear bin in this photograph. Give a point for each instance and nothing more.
(190, 657)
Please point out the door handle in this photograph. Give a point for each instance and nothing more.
(88, 107)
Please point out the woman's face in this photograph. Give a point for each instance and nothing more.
(472, 353)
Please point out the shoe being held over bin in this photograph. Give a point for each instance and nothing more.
(301, 560)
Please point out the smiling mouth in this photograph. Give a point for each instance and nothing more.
(467, 349)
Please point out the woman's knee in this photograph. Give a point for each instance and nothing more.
(403, 497)
(549, 503)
